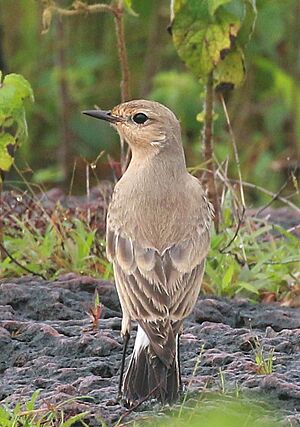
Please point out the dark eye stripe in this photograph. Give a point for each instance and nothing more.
(140, 118)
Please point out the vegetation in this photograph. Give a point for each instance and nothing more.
(260, 262)
(215, 410)
(14, 90)
(29, 416)
(248, 256)
(80, 51)
(75, 54)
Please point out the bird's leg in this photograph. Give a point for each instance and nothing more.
(178, 362)
(126, 337)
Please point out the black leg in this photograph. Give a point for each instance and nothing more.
(178, 363)
(125, 344)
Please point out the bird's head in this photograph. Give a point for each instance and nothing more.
(145, 125)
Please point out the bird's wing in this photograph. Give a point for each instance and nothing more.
(185, 270)
(156, 286)
(141, 284)
(140, 275)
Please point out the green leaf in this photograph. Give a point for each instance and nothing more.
(128, 7)
(214, 4)
(230, 71)
(248, 287)
(21, 85)
(30, 405)
(209, 35)
(228, 276)
(13, 91)
(7, 144)
(248, 22)
(74, 419)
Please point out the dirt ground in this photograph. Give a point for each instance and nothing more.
(47, 343)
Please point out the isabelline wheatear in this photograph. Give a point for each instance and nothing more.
(157, 239)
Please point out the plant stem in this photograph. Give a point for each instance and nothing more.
(125, 89)
(207, 138)
(119, 23)
(65, 151)
(236, 154)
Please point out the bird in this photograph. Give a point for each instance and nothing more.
(157, 238)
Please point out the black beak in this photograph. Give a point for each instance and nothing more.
(103, 115)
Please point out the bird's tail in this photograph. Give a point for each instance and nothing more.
(148, 376)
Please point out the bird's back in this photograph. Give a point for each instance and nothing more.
(159, 210)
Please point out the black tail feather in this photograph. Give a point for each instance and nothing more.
(147, 376)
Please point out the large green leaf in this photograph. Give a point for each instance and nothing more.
(14, 90)
(214, 4)
(20, 84)
(7, 144)
(209, 36)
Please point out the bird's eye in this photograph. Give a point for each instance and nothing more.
(140, 118)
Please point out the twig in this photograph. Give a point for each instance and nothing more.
(223, 166)
(275, 197)
(29, 186)
(236, 154)
(119, 24)
(125, 87)
(263, 190)
(293, 228)
(88, 195)
(207, 137)
(3, 248)
(79, 8)
(133, 408)
(241, 218)
(72, 177)
(241, 262)
(236, 211)
(223, 175)
(289, 261)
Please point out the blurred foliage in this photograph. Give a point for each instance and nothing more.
(210, 37)
(213, 410)
(26, 415)
(265, 111)
(14, 89)
(208, 409)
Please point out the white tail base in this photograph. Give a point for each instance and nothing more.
(141, 341)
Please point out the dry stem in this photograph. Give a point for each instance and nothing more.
(236, 154)
(208, 149)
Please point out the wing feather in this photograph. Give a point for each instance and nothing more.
(157, 288)
(124, 253)
(158, 285)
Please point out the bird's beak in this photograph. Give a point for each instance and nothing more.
(103, 115)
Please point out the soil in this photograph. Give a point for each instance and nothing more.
(47, 343)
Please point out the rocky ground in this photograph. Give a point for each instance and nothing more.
(47, 343)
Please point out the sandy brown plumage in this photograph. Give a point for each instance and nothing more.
(157, 239)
